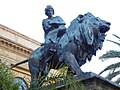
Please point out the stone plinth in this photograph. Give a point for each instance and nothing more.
(95, 82)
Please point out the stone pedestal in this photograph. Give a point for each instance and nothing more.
(96, 82)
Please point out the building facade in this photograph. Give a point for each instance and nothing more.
(16, 47)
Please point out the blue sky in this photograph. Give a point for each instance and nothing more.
(25, 16)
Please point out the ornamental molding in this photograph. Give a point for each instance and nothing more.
(19, 34)
(6, 43)
(16, 41)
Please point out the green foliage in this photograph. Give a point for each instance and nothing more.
(71, 83)
(7, 79)
(56, 81)
(110, 54)
(114, 69)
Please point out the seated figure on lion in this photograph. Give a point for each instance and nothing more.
(54, 28)
(71, 46)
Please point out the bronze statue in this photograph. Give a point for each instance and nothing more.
(77, 44)
(52, 25)
(54, 28)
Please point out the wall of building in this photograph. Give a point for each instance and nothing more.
(16, 47)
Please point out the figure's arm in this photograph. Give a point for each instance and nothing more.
(46, 26)
(57, 21)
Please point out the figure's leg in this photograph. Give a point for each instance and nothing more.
(38, 68)
(34, 71)
(71, 61)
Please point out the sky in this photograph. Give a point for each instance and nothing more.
(25, 16)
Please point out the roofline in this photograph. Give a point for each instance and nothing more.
(19, 34)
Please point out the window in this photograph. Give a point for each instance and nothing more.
(22, 82)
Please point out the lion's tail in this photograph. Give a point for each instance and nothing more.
(19, 63)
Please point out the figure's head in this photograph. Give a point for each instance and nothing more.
(49, 11)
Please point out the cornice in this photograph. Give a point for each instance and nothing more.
(19, 34)
(21, 70)
(6, 43)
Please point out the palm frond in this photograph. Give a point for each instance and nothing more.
(59, 78)
(116, 36)
(111, 67)
(7, 78)
(110, 54)
(118, 43)
(118, 81)
(112, 75)
(114, 42)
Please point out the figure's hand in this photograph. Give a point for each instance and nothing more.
(54, 25)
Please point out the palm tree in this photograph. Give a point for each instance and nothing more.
(113, 68)
(7, 78)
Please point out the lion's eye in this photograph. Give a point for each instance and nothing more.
(97, 18)
(95, 22)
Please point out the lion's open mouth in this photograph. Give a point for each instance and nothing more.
(104, 28)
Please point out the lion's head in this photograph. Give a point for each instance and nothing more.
(90, 31)
(92, 26)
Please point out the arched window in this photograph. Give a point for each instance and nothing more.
(22, 82)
